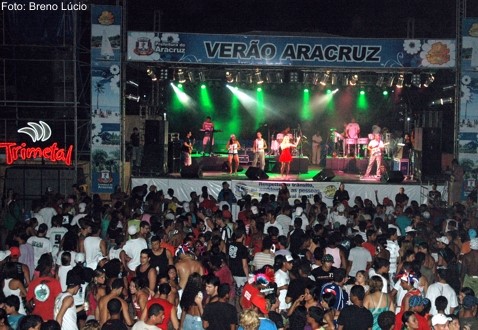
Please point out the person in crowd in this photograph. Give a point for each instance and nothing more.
(350, 314)
(442, 288)
(65, 309)
(145, 271)
(376, 301)
(192, 303)
(12, 305)
(40, 243)
(341, 194)
(114, 322)
(102, 314)
(228, 319)
(155, 317)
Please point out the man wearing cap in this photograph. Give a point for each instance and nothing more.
(133, 248)
(324, 273)
(359, 258)
(468, 319)
(338, 218)
(65, 309)
(299, 213)
(440, 322)
(469, 266)
(25, 271)
(442, 288)
(40, 243)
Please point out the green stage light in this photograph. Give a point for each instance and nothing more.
(329, 91)
(385, 93)
(180, 85)
(306, 90)
(203, 86)
(259, 89)
(362, 92)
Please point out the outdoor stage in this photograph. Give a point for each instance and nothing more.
(304, 179)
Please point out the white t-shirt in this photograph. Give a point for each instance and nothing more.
(282, 278)
(284, 221)
(442, 289)
(372, 272)
(69, 318)
(360, 257)
(141, 325)
(92, 251)
(133, 248)
(55, 234)
(40, 245)
(47, 213)
(275, 224)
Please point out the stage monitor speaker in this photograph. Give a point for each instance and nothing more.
(191, 172)
(393, 177)
(255, 173)
(324, 175)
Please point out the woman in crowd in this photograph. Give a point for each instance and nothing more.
(12, 284)
(376, 301)
(95, 290)
(191, 303)
(409, 321)
(140, 295)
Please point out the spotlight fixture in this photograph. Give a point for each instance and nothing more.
(181, 76)
(430, 79)
(389, 81)
(307, 77)
(353, 80)
(151, 74)
(400, 80)
(345, 81)
(258, 76)
(325, 78)
(229, 77)
(191, 76)
(380, 81)
(202, 76)
(294, 77)
(250, 79)
(163, 74)
(416, 80)
(132, 97)
(269, 77)
(239, 77)
(279, 77)
(333, 79)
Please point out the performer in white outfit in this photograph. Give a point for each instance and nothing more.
(376, 148)
(258, 147)
(233, 147)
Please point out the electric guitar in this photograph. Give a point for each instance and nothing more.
(375, 151)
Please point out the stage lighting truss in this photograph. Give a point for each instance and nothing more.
(416, 80)
(164, 74)
(150, 72)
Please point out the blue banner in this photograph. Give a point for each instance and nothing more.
(105, 98)
(190, 48)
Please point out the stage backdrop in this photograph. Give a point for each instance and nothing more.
(468, 135)
(105, 98)
(290, 50)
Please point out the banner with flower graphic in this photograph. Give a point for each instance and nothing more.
(468, 125)
(105, 98)
(287, 50)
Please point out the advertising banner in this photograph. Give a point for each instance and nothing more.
(105, 98)
(315, 52)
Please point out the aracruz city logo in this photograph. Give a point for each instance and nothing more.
(38, 132)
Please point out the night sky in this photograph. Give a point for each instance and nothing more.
(349, 18)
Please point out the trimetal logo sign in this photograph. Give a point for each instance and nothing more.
(38, 132)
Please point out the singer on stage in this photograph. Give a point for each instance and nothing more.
(208, 139)
(233, 147)
(375, 147)
(258, 147)
(285, 157)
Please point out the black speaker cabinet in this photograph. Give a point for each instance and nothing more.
(255, 173)
(155, 132)
(191, 172)
(393, 177)
(324, 175)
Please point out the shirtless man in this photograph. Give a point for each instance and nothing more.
(186, 266)
(102, 314)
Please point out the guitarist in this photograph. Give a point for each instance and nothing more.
(375, 147)
(187, 149)
(208, 139)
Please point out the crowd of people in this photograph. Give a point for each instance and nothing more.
(150, 261)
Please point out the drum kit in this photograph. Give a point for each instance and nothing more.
(350, 145)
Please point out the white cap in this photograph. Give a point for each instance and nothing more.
(444, 240)
(289, 258)
(440, 319)
(132, 230)
(298, 211)
(409, 229)
(80, 257)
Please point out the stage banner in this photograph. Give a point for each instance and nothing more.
(105, 98)
(183, 188)
(290, 50)
(468, 126)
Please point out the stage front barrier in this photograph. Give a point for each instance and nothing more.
(183, 187)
